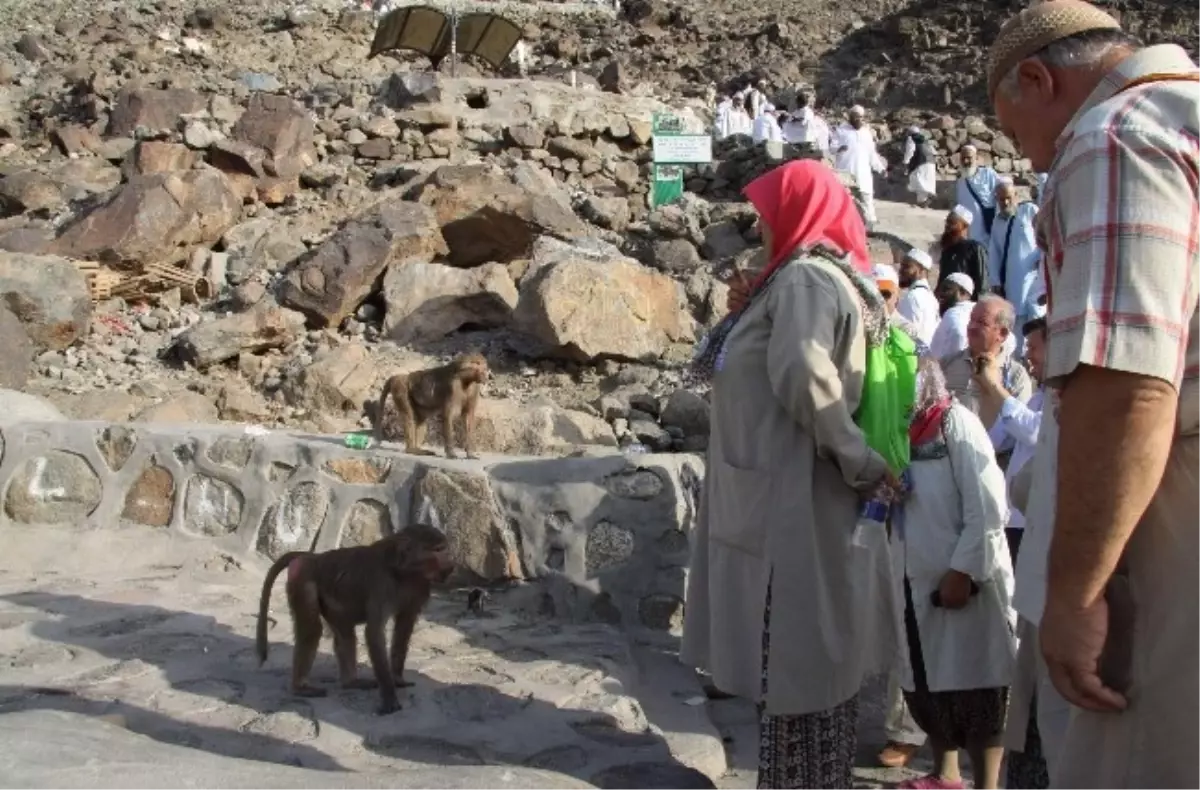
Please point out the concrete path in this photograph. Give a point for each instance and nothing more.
(128, 654)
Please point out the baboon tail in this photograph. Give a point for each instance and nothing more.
(264, 603)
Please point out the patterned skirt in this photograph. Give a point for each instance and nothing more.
(955, 718)
(1027, 769)
(808, 750)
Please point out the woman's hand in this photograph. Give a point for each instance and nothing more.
(739, 291)
(955, 590)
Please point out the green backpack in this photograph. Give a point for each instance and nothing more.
(889, 390)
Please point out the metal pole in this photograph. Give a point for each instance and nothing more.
(454, 40)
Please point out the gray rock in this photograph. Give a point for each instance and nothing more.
(21, 407)
(265, 326)
(426, 301)
(678, 256)
(687, 411)
(343, 271)
(48, 295)
(56, 488)
(16, 352)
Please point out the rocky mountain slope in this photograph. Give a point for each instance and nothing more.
(212, 210)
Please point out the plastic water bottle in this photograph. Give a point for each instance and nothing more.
(872, 515)
(358, 441)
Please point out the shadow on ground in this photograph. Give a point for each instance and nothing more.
(249, 713)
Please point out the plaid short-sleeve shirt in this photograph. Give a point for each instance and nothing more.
(1120, 227)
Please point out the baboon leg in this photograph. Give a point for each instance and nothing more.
(345, 646)
(468, 418)
(402, 631)
(377, 649)
(379, 411)
(449, 414)
(420, 432)
(306, 620)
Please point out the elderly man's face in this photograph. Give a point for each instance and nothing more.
(984, 333)
(968, 158)
(856, 121)
(1034, 114)
(1006, 200)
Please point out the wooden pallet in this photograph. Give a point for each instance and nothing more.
(101, 282)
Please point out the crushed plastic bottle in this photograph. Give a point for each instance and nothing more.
(358, 441)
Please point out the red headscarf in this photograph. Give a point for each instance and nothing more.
(804, 204)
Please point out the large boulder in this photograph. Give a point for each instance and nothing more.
(155, 218)
(342, 272)
(283, 129)
(486, 216)
(582, 309)
(513, 428)
(48, 295)
(154, 111)
(426, 301)
(18, 408)
(16, 352)
(185, 408)
(265, 326)
(339, 379)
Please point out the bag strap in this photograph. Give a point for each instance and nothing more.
(974, 194)
(1147, 79)
(1004, 255)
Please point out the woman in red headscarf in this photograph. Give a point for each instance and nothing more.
(783, 606)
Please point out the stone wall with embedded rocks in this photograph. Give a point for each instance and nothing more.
(594, 538)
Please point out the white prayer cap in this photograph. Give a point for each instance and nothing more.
(885, 273)
(963, 281)
(857, 110)
(1038, 311)
(914, 129)
(920, 257)
(971, 148)
(768, 107)
(1004, 181)
(963, 213)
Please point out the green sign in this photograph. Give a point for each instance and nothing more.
(668, 185)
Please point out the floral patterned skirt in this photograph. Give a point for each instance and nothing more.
(808, 750)
(958, 719)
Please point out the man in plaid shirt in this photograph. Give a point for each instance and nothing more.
(1115, 125)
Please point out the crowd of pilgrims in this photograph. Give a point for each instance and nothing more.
(975, 318)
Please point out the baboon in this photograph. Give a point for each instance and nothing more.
(452, 390)
(390, 579)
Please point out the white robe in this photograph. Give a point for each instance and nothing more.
(860, 159)
(922, 180)
(954, 520)
(918, 304)
(739, 122)
(983, 181)
(1021, 244)
(950, 337)
(766, 128)
(1030, 596)
(722, 121)
(1016, 429)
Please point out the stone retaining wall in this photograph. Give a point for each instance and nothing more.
(604, 537)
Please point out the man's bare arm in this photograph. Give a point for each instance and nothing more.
(1115, 435)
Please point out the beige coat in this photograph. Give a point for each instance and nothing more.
(779, 505)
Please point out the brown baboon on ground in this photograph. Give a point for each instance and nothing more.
(390, 580)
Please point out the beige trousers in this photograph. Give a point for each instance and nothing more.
(1154, 742)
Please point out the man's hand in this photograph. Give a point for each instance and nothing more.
(955, 589)
(987, 374)
(1072, 640)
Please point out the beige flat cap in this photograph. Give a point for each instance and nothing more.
(1039, 26)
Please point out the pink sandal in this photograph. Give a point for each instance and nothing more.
(931, 782)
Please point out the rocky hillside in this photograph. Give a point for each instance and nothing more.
(222, 211)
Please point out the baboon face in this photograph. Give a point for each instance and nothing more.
(426, 552)
(474, 367)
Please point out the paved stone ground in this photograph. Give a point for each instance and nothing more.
(154, 632)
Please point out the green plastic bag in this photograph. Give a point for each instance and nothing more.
(889, 391)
